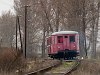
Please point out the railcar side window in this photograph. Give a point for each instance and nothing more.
(53, 40)
(72, 38)
(49, 41)
(60, 39)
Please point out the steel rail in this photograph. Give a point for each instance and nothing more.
(74, 67)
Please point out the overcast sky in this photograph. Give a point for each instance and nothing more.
(6, 5)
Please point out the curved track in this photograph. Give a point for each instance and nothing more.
(66, 72)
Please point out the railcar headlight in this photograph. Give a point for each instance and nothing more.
(82, 58)
(73, 46)
(78, 51)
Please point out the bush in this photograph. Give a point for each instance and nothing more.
(10, 59)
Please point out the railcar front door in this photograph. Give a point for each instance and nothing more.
(66, 42)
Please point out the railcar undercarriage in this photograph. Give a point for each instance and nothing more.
(69, 54)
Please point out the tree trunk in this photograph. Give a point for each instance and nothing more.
(82, 48)
(43, 43)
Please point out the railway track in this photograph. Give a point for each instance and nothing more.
(62, 68)
(44, 69)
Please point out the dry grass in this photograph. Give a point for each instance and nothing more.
(11, 63)
(88, 67)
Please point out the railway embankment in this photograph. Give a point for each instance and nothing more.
(88, 67)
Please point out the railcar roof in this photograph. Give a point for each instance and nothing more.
(65, 32)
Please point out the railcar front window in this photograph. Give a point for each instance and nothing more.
(60, 39)
(72, 38)
(66, 36)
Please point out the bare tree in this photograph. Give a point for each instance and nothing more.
(7, 29)
(47, 16)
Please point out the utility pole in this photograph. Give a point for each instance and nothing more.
(25, 29)
(16, 32)
(26, 6)
(20, 35)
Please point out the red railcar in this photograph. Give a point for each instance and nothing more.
(63, 44)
